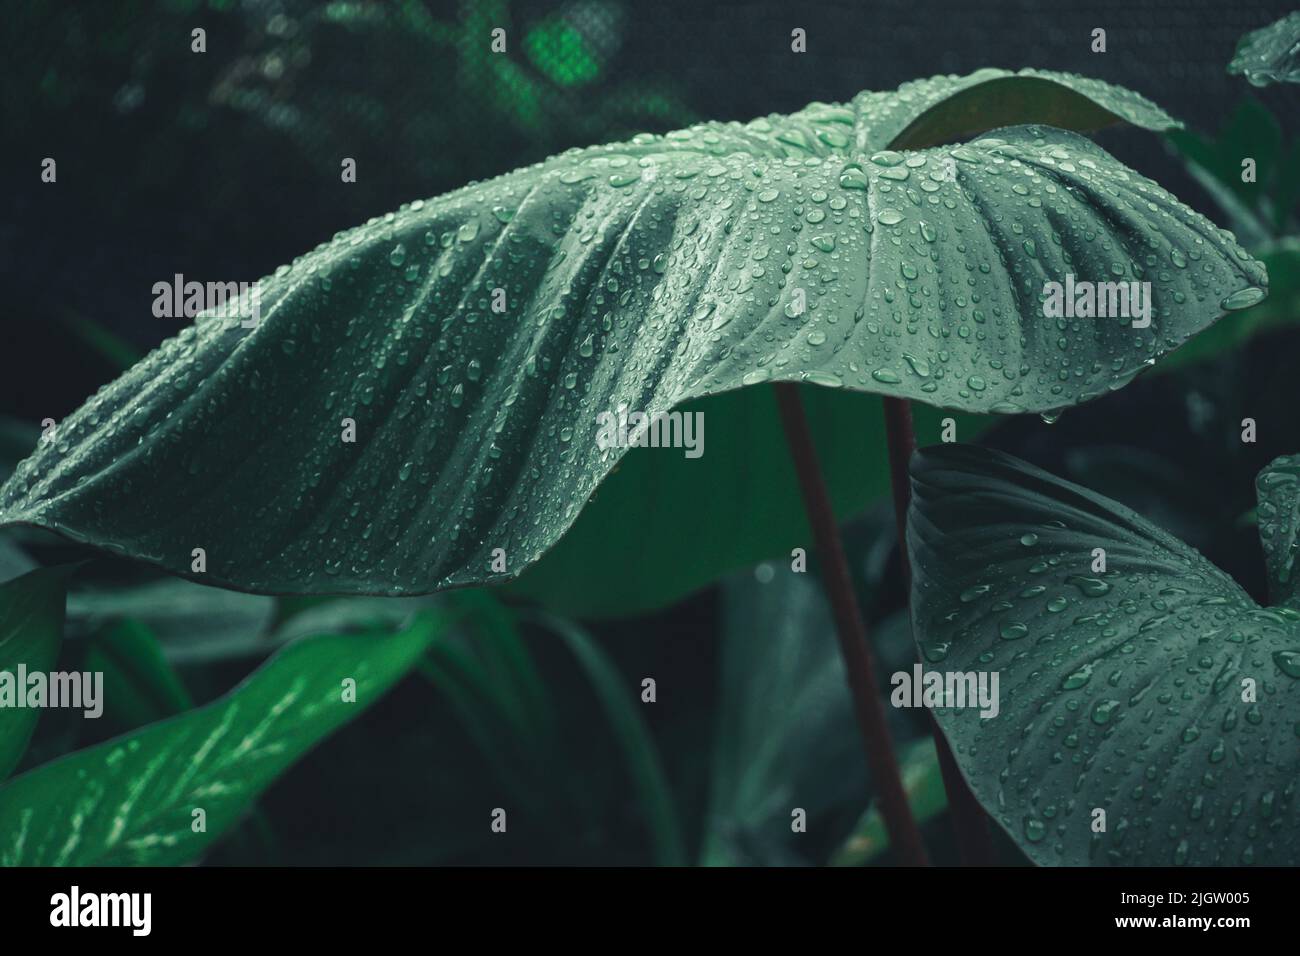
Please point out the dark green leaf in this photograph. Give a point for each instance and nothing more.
(31, 629)
(785, 734)
(14, 561)
(1155, 690)
(491, 681)
(509, 669)
(1257, 211)
(339, 616)
(140, 686)
(17, 439)
(616, 698)
(103, 342)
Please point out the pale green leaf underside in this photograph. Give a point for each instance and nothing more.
(1120, 690)
(945, 108)
(191, 622)
(698, 519)
(130, 801)
(642, 275)
(1270, 54)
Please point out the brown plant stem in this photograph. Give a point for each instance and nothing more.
(974, 844)
(850, 628)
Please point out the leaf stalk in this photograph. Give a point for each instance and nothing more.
(851, 630)
(974, 844)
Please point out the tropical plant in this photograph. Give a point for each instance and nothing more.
(416, 407)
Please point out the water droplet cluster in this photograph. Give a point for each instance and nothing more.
(642, 274)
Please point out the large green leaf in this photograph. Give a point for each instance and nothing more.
(1270, 54)
(1157, 691)
(31, 629)
(644, 275)
(132, 800)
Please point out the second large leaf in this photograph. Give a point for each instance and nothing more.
(1149, 708)
(473, 341)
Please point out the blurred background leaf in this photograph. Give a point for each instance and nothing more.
(31, 629)
(785, 735)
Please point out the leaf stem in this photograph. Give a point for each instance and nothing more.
(973, 842)
(851, 630)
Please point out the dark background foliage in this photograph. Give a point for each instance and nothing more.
(226, 165)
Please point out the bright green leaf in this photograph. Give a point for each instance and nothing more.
(132, 800)
(562, 53)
